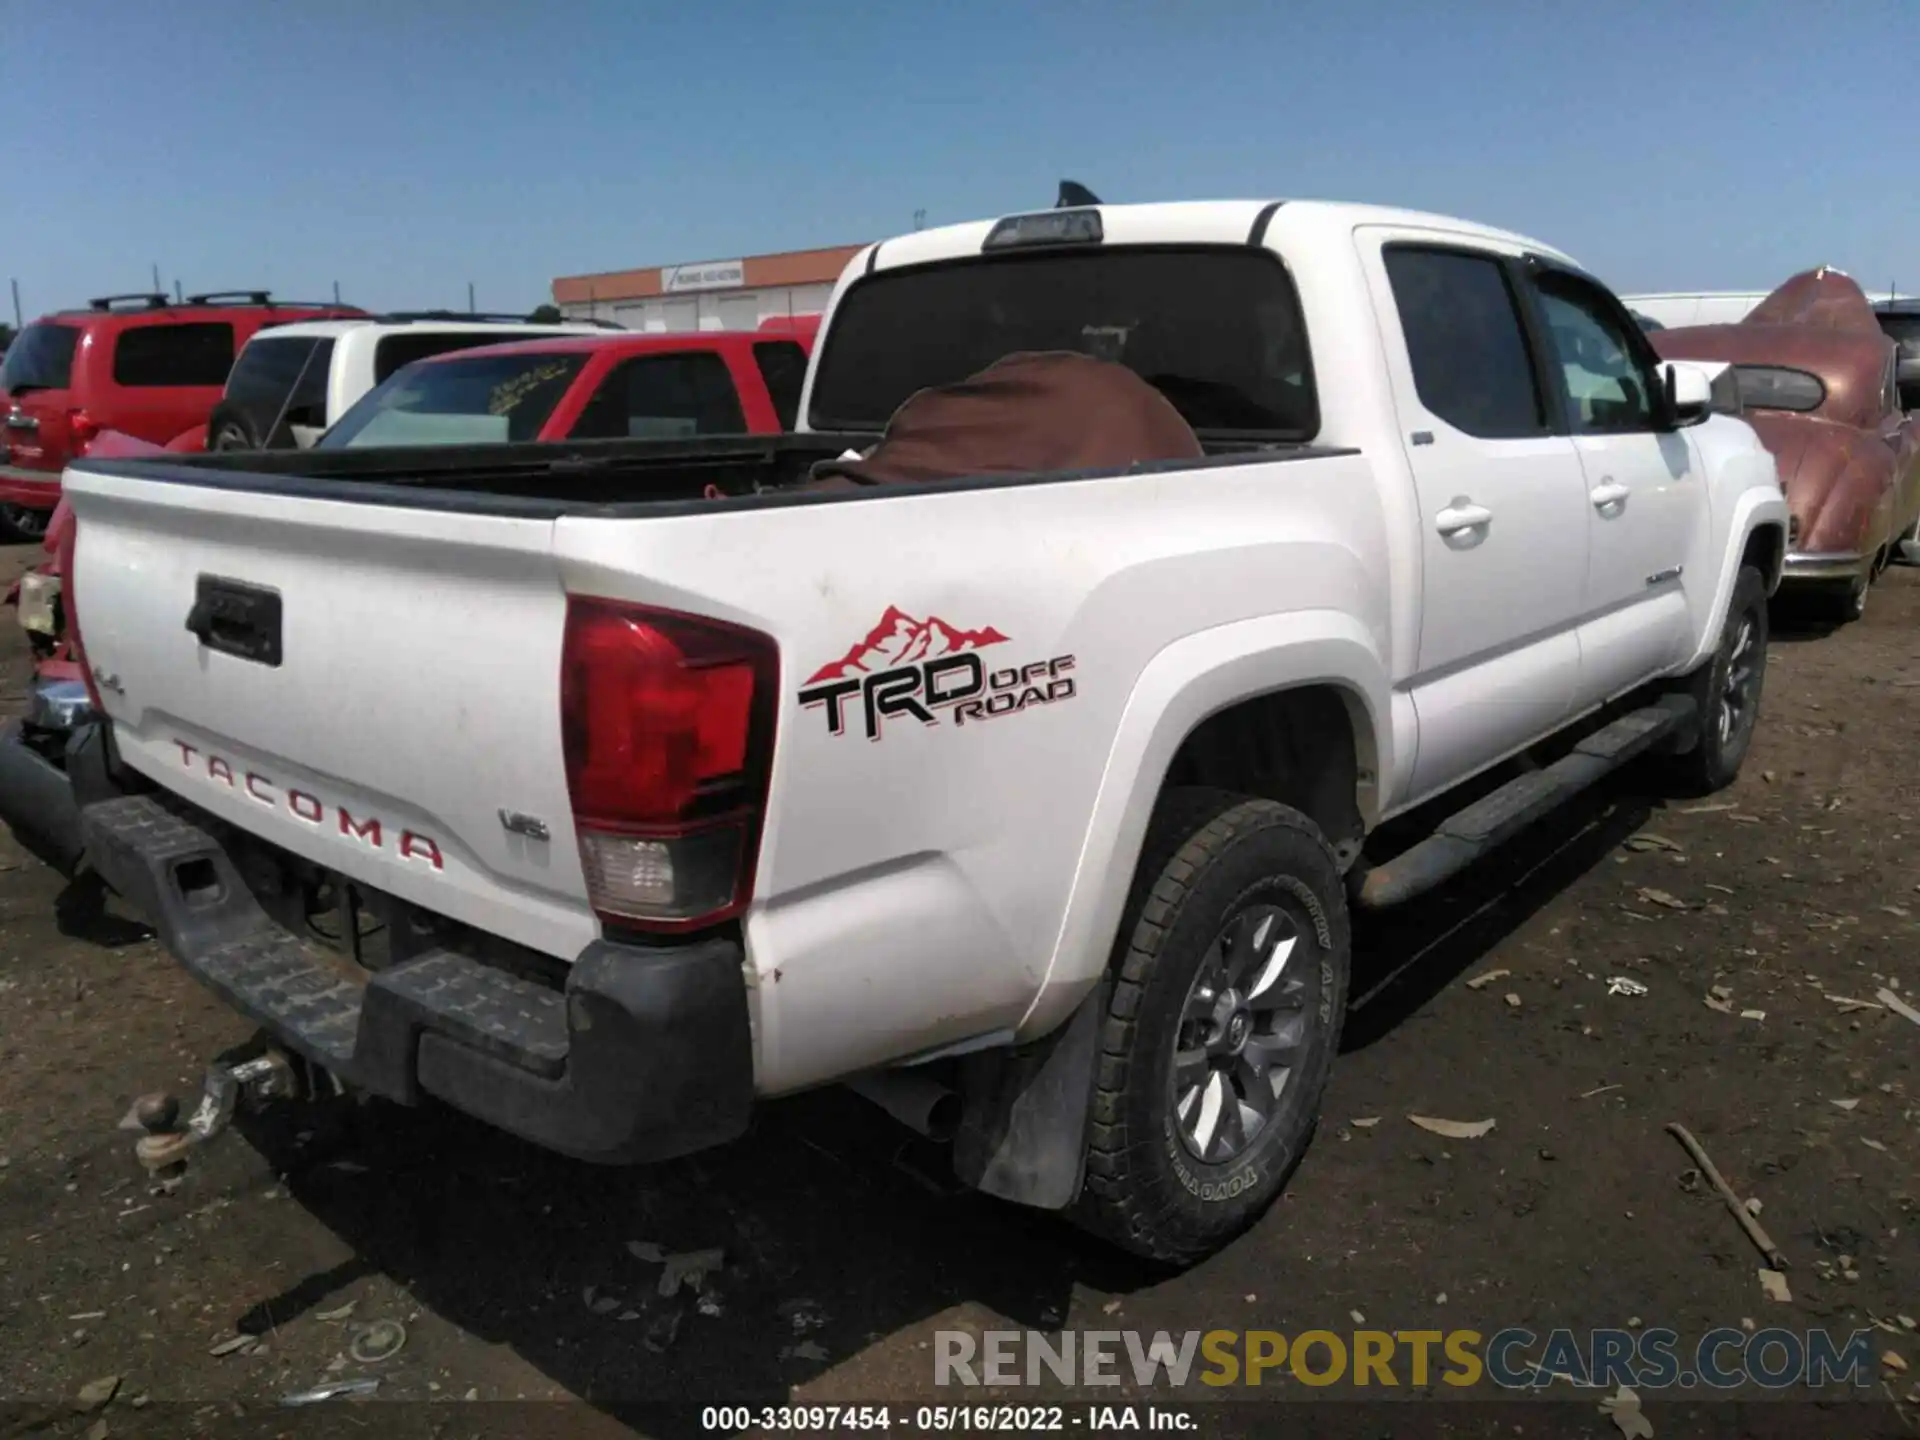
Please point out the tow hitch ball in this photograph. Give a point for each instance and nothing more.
(251, 1077)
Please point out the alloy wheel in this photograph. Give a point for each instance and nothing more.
(1242, 1030)
(1737, 700)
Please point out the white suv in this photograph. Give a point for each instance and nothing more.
(292, 382)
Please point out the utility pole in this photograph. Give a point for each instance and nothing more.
(336, 292)
(16, 305)
(470, 309)
(176, 292)
(158, 288)
(919, 219)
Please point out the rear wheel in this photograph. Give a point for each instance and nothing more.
(1221, 1028)
(233, 433)
(21, 523)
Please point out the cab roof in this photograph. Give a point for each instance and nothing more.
(1200, 222)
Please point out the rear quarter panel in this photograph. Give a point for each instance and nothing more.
(930, 878)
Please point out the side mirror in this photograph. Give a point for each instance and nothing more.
(1689, 392)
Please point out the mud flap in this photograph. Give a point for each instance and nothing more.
(1025, 1112)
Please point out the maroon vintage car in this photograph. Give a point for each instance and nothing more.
(1816, 377)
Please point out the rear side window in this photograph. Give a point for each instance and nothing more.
(1776, 387)
(265, 372)
(1217, 331)
(392, 352)
(783, 366)
(156, 356)
(664, 397)
(309, 403)
(1469, 353)
(40, 358)
(284, 373)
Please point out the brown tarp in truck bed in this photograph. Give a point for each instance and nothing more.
(1030, 412)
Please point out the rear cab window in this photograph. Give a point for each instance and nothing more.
(1779, 387)
(465, 400)
(194, 354)
(1217, 330)
(40, 358)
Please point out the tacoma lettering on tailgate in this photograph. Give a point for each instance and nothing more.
(304, 805)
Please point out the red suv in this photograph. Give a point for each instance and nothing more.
(139, 364)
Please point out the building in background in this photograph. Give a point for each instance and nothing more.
(710, 295)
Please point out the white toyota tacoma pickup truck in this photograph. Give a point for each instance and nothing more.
(667, 785)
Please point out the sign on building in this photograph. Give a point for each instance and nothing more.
(712, 275)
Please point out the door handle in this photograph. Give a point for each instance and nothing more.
(1462, 514)
(1609, 499)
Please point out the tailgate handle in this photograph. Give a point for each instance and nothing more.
(236, 619)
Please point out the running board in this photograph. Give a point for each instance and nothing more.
(1494, 819)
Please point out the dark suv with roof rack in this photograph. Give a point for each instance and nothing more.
(144, 365)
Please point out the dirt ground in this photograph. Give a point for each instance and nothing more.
(845, 1250)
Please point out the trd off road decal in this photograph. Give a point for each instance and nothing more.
(921, 669)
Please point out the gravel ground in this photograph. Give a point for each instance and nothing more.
(1752, 920)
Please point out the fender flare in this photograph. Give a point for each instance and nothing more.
(1753, 510)
(1026, 1110)
(1190, 680)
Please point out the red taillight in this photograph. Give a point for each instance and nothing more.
(667, 725)
(68, 535)
(82, 430)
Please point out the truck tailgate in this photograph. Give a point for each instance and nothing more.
(412, 706)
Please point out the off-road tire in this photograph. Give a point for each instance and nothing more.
(1209, 855)
(1715, 760)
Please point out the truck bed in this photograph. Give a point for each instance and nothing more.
(610, 478)
(531, 480)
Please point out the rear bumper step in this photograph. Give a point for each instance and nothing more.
(1496, 818)
(646, 1054)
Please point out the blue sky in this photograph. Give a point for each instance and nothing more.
(407, 147)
